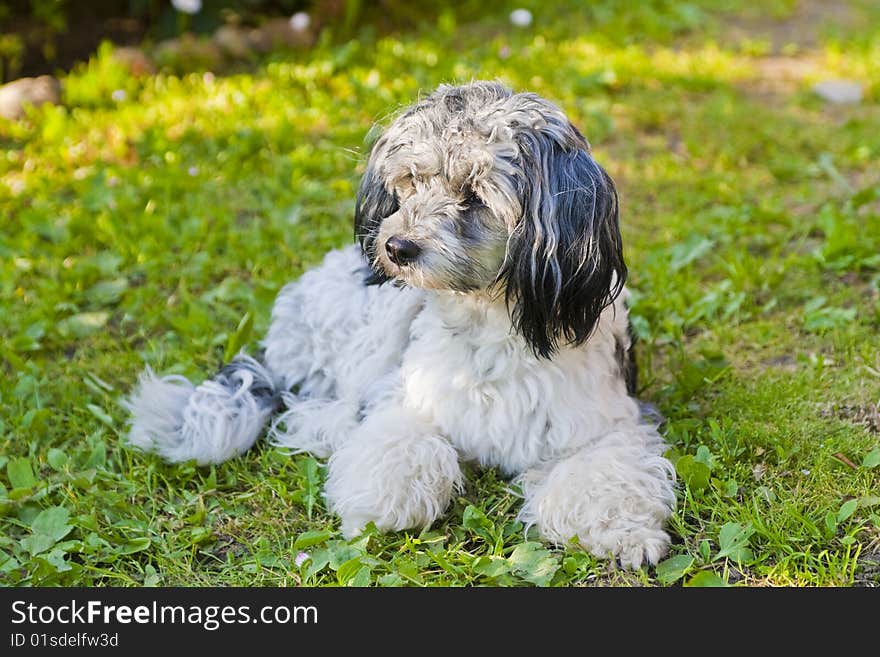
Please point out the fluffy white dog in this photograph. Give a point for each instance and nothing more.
(480, 318)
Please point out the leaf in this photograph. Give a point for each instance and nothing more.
(107, 293)
(97, 457)
(240, 337)
(831, 521)
(101, 414)
(307, 539)
(20, 473)
(83, 324)
(869, 501)
(674, 568)
(37, 543)
(847, 509)
(706, 578)
(362, 578)
(56, 559)
(705, 457)
(134, 545)
(692, 249)
(52, 522)
(733, 540)
(347, 571)
(56, 458)
(694, 473)
(151, 577)
(476, 521)
(491, 566)
(872, 459)
(534, 563)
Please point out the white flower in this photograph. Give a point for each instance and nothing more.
(193, 171)
(119, 95)
(521, 17)
(187, 6)
(301, 559)
(300, 21)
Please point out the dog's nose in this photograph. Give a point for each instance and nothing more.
(401, 251)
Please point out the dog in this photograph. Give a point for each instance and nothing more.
(480, 316)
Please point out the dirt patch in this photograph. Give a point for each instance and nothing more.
(866, 415)
(868, 570)
(803, 28)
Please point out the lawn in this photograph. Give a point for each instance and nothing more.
(152, 220)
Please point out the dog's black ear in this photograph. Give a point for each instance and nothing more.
(372, 205)
(565, 259)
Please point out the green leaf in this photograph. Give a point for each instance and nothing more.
(56, 458)
(56, 559)
(847, 509)
(151, 577)
(491, 566)
(240, 337)
(872, 459)
(107, 293)
(134, 545)
(733, 540)
(674, 568)
(706, 578)
(20, 473)
(362, 578)
(318, 561)
(694, 473)
(534, 563)
(705, 457)
(97, 457)
(83, 324)
(101, 414)
(37, 543)
(869, 501)
(831, 521)
(307, 539)
(52, 522)
(476, 521)
(692, 249)
(347, 571)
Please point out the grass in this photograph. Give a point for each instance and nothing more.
(141, 228)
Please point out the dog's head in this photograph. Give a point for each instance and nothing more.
(478, 188)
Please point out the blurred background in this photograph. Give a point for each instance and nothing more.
(42, 36)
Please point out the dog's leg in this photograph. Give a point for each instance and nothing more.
(395, 471)
(614, 495)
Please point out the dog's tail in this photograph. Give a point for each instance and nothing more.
(211, 422)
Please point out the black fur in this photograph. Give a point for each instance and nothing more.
(372, 205)
(626, 360)
(262, 389)
(568, 198)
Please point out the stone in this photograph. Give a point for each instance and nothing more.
(279, 33)
(135, 60)
(839, 92)
(18, 94)
(188, 53)
(233, 42)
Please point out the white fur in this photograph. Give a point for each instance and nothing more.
(426, 369)
(395, 385)
(210, 423)
(472, 196)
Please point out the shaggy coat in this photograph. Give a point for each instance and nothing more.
(481, 317)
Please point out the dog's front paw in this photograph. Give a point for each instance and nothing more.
(635, 547)
(395, 479)
(614, 498)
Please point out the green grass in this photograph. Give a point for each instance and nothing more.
(142, 230)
